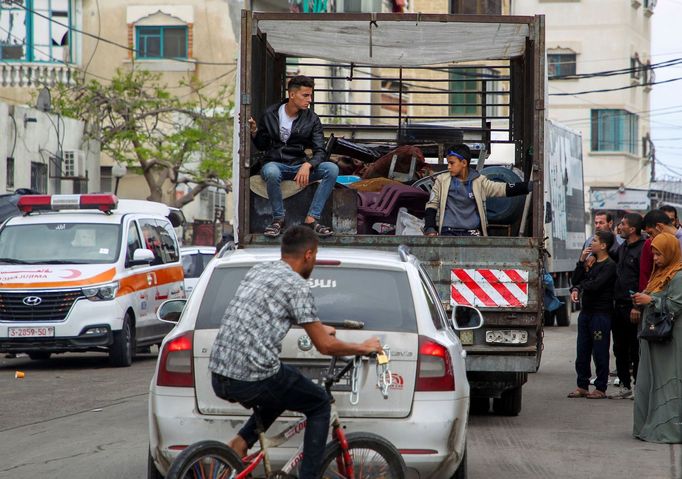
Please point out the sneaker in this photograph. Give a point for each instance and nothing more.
(622, 393)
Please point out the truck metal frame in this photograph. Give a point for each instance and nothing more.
(494, 370)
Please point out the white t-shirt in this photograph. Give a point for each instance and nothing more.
(285, 122)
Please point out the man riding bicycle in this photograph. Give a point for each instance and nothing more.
(245, 361)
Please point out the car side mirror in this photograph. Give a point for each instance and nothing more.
(170, 310)
(142, 256)
(466, 317)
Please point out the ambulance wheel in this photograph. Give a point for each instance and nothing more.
(122, 350)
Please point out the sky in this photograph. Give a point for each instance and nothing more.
(666, 99)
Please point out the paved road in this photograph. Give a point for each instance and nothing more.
(75, 417)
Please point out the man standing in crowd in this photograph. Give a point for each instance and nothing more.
(671, 211)
(625, 343)
(603, 221)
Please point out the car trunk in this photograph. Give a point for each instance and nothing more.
(379, 298)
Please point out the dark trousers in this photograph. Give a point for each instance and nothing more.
(625, 342)
(594, 337)
(286, 390)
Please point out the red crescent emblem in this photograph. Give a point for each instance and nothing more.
(71, 274)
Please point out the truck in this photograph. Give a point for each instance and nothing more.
(426, 80)
(564, 213)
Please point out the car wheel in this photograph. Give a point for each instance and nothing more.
(509, 404)
(40, 356)
(461, 472)
(152, 471)
(122, 350)
(563, 314)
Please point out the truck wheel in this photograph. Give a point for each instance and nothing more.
(549, 318)
(509, 404)
(563, 314)
(122, 350)
(479, 405)
(40, 356)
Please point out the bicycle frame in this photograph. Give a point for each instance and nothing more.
(345, 466)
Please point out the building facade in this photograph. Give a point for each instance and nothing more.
(43, 42)
(584, 37)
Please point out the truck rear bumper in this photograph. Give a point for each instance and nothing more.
(502, 363)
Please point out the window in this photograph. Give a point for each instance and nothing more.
(159, 237)
(476, 7)
(105, 179)
(134, 241)
(560, 64)
(10, 172)
(35, 30)
(39, 177)
(466, 91)
(161, 42)
(382, 299)
(615, 130)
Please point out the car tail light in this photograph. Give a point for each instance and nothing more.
(175, 365)
(434, 367)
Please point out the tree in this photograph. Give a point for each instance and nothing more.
(171, 139)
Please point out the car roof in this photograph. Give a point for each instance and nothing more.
(367, 257)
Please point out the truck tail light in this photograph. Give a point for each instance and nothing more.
(102, 202)
(175, 365)
(434, 367)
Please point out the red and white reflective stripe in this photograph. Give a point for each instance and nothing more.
(491, 288)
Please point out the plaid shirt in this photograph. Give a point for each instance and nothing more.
(269, 300)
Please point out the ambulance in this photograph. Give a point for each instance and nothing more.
(87, 273)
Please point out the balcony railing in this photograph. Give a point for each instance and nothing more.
(35, 74)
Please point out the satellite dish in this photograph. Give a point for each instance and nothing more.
(44, 102)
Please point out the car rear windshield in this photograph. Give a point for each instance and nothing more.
(382, 299)
(194, 264)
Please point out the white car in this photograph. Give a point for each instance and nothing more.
(426, 413)
(194, 260)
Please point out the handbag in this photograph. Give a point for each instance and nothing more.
(658, 326)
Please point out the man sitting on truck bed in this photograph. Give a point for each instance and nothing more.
(458, 197)
(284, 132)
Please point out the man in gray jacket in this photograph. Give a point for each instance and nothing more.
(458, 197)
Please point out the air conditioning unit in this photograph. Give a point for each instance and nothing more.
(73, 163)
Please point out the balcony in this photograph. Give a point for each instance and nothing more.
(28, 75)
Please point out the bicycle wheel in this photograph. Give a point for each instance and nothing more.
(206, 460)
(373, 458)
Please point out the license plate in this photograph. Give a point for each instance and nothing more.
(35, 332)
(316, 374)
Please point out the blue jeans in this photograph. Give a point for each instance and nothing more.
(286, 390)
(594, 338)
(273, 173)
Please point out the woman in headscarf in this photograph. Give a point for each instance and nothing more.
(658, 391)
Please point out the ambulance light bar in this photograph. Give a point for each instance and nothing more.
(30, 203)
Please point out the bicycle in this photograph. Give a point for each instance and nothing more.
(358, 455)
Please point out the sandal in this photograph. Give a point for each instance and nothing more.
(579, 393)
(319, 229)
(596, 394)
(275, 229)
